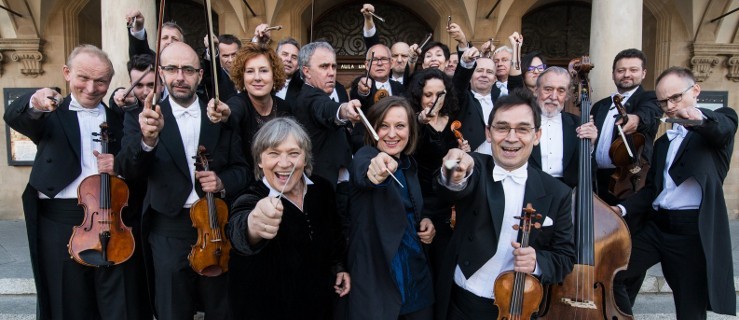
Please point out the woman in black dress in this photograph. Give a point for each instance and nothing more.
(289, 252)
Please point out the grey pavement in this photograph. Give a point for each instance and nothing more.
(17, 292)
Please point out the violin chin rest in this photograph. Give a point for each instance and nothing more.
(94, 257)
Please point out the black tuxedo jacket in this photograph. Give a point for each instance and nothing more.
(470, 111)
(705, 155)
(57, 137)
(226, 87)
(315, 110)
(367, 101)
(480, 207)
(166, 168)
(293, 88)
(570, 146)
(641, 103)
(136, 46)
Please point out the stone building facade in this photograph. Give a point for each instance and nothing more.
(37, 35)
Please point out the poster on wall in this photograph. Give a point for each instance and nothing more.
(21, 150)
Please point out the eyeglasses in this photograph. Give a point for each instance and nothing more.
(539, 68)
(504, 129)
(173, 70)
(380, 60)
(675, 98)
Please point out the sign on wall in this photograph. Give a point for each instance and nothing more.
(21, 150)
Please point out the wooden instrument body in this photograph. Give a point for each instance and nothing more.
(209, 255)
(533, 292)
(85, 246)
(631, 171)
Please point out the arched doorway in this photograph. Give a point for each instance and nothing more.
(341, 26)
(560, 31)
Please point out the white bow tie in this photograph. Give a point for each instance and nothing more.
(500, 84)
(518, 176)
(178, 112)
(677, 131)
(77, 108)
(481, 97)
(380, 85)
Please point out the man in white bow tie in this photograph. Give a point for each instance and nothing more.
(683, 199)
(489, 192)
(62, 128)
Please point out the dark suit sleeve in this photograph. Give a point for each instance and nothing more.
(649, 113)
(373, 40)
(133, 162)
(557, 259)
(366, 101)
(514, 82)
(18, 116)
(719, 127)
(472, 183)
(360, 165)
(235, 176)
(238, 226)
(461, 82)
(136, 46)
(322, 109)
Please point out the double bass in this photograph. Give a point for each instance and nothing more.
(102, 239)
(602, 240)
(627, 154)
(209, 255)
(518, 294)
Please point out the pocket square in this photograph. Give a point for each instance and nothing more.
(547, 222)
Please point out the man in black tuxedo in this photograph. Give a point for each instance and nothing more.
(159, 146)
(489, 193)
(136, 66)
(63, 128)
(683, 199)
(228, 45)
(287, 49)
(560, 138)
(400, 70)
(629, 70)
(137, 44)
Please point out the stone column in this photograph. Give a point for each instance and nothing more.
(115, 37)
(614, 26)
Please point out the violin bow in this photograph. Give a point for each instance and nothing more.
(617, 99)
(372, 59)
(157, 54)
(135, 83)
(212, 47)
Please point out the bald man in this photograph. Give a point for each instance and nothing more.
(159, 145)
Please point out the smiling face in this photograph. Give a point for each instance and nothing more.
(483, 77)
(530, 77)
(394, 131)
(277, 163)
(628, 74)
(434, 58)
(258, 77)
(89, 78)
(551, 93)
(510, 148)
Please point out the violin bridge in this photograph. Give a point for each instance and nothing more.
(587, 304)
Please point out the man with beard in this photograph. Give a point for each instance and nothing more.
(629, 70)
(561, 134)
(159, 146)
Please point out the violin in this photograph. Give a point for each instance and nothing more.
(518, 294)
(602, 240)
(455, 126)
(627, 154)
(102, 239)
(209, 255)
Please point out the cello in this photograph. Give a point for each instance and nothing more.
(102, 239)
(518, 294)
(627, 154)
(209, 255)
(602, 240)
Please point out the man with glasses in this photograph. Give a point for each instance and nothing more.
(366, 89)
(687, 229)
(561, 131)
(629, 70)
(489, 193)
(160, 145)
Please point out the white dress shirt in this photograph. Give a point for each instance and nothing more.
(89, 123)
(606, 138)
(282, 93)
(384, 85)
(503, 86)
(687, 195)
(188, 122)
(481, 283)
(552, 145)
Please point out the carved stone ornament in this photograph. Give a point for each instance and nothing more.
(31, 61)
(733, 64)
(703, 66)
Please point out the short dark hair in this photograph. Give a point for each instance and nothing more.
(517, 97)
(174, 25)
(415, 88)
(377, 113)
(434, 44)
(140, 62)
(630, 53)
(229, 39)
(528, 58)
(287, 40)
(680, 72)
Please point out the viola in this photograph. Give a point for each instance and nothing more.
(209, 255)
(102, 239)
(602, 240)
(627, 154)
(518, 294)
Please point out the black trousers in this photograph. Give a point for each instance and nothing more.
(76, 291)
(671, 238)
(179, 291)
(467, 306)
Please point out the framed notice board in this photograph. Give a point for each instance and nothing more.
(713, 99)
(21, 150)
